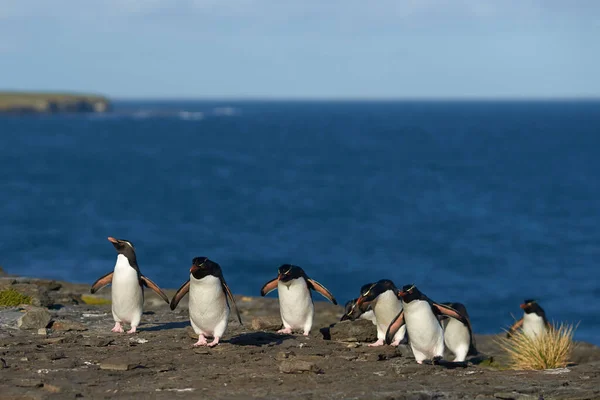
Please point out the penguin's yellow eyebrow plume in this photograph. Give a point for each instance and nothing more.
(369, 290)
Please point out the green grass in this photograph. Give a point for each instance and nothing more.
(12, 298)
(94, 300)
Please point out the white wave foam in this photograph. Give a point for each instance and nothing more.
(191, 115)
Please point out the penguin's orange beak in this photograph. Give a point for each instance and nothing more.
(112, 240)
(523, 306)
(193, 269)
(359, 301)
(402, 293)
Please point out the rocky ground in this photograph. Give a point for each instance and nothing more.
(62, 347)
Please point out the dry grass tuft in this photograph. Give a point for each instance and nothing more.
(550, 350)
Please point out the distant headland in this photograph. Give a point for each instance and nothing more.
(51, 103)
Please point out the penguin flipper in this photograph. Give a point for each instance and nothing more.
(102, 282)
(441, 309)
(230, 296)
(269, 287)
(514, 328)
(316, 286)
(394, 327)
(182, 291)
(149, 284)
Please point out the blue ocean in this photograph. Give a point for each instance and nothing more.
(485, 203)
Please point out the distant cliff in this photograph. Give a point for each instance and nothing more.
(42, 103)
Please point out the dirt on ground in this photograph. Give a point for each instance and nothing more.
(79, 356)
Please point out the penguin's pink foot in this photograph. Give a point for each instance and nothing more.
(214, 342)
(306, 333)
(419, 361)
(395, 343)
(132, 330)
(379, 342)
(285, 331)
(201, 341)
(118, 328)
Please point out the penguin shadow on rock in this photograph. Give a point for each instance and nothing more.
(259, 339)
(166, 326)
(296, 305)
(128, 284)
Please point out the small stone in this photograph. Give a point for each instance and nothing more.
(298, 367)
(51, 388)
(24, 359)
(34, 318)
(3, 363)
(266, 323)
(66, 325)
(284, 355)
(103, 342)
(42, 331)
(118, 365)
(54, 340)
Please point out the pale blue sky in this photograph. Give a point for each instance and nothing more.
(303, 49)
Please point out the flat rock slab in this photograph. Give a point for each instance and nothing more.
(118, 364)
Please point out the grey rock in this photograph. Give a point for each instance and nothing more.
(266, 323)
(351, 331)
(66, 325)
(34, 318)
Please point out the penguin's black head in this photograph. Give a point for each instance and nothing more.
(410, 293)
(370, 291)
(350, 311)
(124, 247)
(531, 306)
(202, 266)
(287, 272)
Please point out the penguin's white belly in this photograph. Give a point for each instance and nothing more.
(295, 304)
(533, 325)
(385, 308)
(457, 338)
(208, 307)
(127, 294)
(424, 330)
(369, 316)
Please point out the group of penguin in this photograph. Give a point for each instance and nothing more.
(401, 316)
